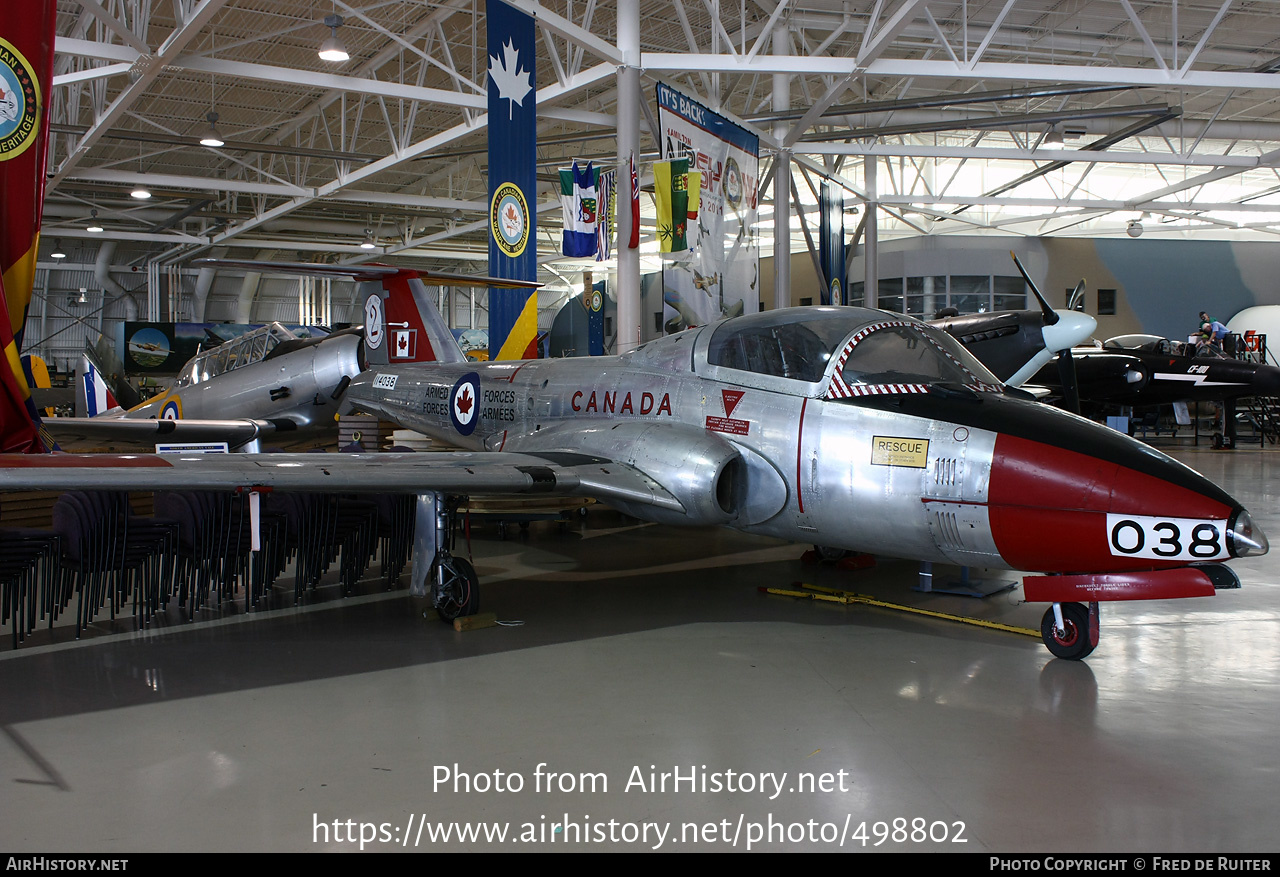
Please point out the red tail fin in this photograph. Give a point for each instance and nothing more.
(405, 326)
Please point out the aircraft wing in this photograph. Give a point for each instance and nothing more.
(462, 472)
(1041, 393)
(146, 433)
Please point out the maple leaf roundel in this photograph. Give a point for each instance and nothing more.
(464, 399)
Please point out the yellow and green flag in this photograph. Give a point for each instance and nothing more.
(671, 194)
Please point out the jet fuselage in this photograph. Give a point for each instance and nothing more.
(885, 463)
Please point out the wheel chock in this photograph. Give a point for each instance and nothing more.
(848, 563)
(856, 561)
(475, 622)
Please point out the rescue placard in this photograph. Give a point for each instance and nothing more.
(889, 450)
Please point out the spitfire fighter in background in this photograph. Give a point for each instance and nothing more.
(847, 427)
(1015, 345)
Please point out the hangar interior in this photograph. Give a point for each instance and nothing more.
(1134, 144)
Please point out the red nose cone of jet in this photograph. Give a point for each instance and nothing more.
(1120, 507)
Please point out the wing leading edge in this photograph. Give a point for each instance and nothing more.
(549, 472)
(120, 430)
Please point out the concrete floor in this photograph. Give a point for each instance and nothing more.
(646, 650)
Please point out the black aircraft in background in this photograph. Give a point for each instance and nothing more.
(1150, 370)
(1147, 370)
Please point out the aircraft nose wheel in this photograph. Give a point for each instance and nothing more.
(1076, 639)
(457, 592)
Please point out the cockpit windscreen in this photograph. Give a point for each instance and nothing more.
(902, 353)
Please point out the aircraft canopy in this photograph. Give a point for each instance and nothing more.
(243, 350)
(855, 351)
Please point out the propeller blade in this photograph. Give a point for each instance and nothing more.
(1050, 315)
(1067, 377)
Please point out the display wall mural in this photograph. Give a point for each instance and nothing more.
(717, 276)
(1168, 283)
(164, 348)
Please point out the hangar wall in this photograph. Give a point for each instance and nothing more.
(1160, 285)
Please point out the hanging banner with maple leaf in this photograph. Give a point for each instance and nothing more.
(513, 250)
(718, 275)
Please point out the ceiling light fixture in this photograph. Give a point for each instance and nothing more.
(368, 243)
(93, 227)
(57, 250)
(333, 49)
(1054, 137)
(211, 137)
(139, 190)
(84, 297)
(1134, 228)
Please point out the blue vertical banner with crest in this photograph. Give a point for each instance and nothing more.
(513, 250)
(831, 247)
(595, 319)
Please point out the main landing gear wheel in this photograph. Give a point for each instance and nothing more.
(458, 593)
(1076, 640)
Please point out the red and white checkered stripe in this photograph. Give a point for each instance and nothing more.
(840, 390)
(863, 333)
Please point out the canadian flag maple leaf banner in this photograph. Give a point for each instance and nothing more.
(513, 248)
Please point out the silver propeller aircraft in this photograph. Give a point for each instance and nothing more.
(847, 427)
(267, 383)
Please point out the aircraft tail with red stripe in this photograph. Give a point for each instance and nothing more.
(412, 329)
(401, 325)
(93, 395)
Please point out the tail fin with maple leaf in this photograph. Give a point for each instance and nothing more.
(411, 329)
(414, 330)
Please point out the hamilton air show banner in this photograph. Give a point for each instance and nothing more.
(513, 249)
(718, 276)
(26, 76)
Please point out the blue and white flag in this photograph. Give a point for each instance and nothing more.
(581, 210)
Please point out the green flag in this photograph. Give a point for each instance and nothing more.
(671, 192)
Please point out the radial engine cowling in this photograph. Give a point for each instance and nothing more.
(701, 470)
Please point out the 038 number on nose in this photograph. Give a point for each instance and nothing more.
(1167, 538)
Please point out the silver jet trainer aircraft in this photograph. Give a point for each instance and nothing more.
(846, 427)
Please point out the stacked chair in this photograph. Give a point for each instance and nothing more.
(195, 551)
(396, 514)
(109, 554)
(28, 577)
(214, 555)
